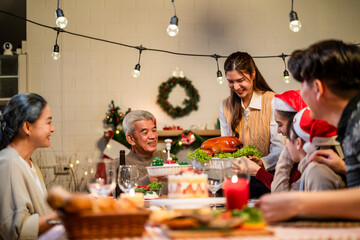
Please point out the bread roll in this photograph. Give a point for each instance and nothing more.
(78, 203)
(57, 197)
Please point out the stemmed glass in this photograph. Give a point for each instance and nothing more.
(236, 183)
(128, 177)
(101, 181)
(214, 168)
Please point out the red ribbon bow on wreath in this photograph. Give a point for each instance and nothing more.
(187, 139)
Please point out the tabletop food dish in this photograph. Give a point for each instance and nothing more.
(159, 168)
(105, 217)
(189, 203)
(188, 183)
(208, 223)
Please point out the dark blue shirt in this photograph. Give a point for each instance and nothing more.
(349, 136)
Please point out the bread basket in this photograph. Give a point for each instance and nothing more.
(90, 225)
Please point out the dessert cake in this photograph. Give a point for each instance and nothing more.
(188, 183)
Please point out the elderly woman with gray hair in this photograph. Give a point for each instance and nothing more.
(26, 124)
(141, 133)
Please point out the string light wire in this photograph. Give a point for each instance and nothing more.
(135, 47)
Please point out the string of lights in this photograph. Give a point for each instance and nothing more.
(136, 71)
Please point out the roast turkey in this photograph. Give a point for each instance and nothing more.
(221, 144)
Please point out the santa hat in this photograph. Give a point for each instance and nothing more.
(314, 132)
(289, 101)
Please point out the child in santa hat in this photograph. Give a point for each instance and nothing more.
(286, 106)
(304, 135)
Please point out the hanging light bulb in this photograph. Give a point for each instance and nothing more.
(136, 71)
(219, 77)
(61, 20)
(56, 52)
(173, 28)
(286, 77)
(295, 24)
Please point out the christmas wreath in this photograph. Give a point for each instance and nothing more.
(190, 103)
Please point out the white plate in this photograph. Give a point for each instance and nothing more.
(185, 203)
(166, 170)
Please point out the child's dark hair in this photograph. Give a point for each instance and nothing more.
(285, 114)
(290, 129)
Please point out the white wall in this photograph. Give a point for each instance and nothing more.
(90, 74)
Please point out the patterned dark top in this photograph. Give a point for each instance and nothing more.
(349, 136)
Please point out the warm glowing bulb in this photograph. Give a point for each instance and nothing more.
(55, 55)
(77, 161)
(117, 131)
(71, 165)
(287, 79)
(61, 22)
(136, 73)
(219, 77)
(220, 80)
(86, 173)
(172, 30)
(295, 25)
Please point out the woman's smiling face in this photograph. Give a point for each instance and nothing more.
(240, 82)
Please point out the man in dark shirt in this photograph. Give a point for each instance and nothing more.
(329, 72)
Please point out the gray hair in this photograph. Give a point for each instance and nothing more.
(134, 116)
(24, 107)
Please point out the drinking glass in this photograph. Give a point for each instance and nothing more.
(101, 181)
(236, 183)
(128, 177)
(214, 168)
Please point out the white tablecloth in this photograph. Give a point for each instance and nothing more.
(280, 233)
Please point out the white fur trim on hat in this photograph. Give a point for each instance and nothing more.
(299, 131)
(281, 105)
(308, 147)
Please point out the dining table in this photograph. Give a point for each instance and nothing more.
(296, 229)
(280, 232)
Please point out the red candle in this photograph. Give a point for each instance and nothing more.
(236, 191)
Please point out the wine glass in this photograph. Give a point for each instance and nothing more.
(101, 181)
(128, 177)
(236, 183)
(214, 168)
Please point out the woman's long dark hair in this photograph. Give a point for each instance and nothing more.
(242, 61)
(24, 107)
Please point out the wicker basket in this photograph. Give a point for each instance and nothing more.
(104, 225)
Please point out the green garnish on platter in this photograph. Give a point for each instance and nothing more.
(246, 151)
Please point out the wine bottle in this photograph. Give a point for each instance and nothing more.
(122, 157)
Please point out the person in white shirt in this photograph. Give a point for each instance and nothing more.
(248, 113)
(25, 125)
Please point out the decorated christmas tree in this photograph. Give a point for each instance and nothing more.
(114, 118)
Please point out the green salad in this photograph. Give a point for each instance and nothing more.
(246, 151)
